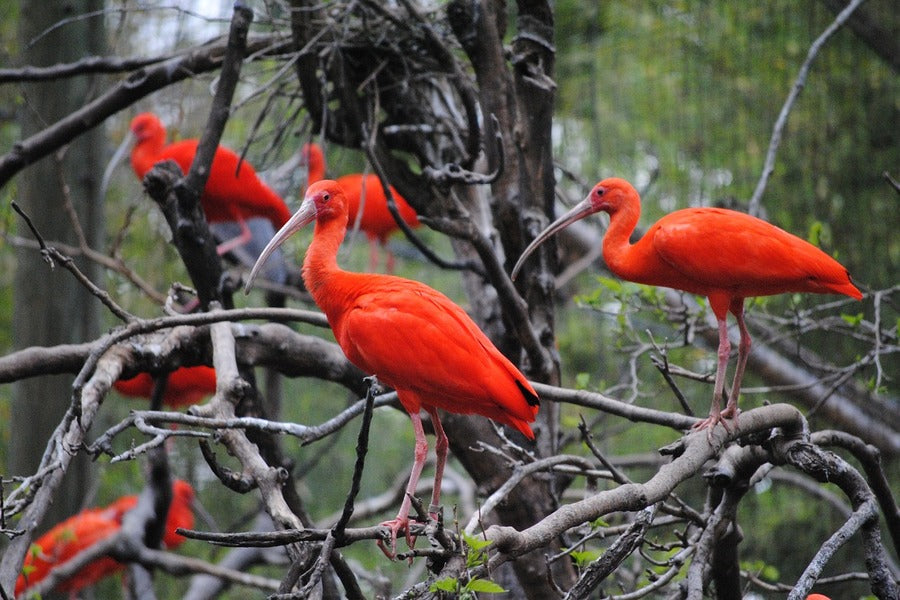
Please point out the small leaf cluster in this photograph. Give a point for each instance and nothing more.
(476, 555)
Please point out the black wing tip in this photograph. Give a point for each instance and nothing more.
(530, 397)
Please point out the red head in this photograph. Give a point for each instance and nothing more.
(147, 126)
(610, 195)
(323, 202)
(817, 597)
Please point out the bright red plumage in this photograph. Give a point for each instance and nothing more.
(376, 222)
(230, 194)
(412, 337)
(722, 254)
(62, 543)
(66, 540)
(185, 386)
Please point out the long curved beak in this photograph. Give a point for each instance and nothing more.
(579, 211)
(117, 156)
(305, 215)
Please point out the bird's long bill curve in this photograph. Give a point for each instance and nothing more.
(117, 156)
(579, 211)
(305, 215)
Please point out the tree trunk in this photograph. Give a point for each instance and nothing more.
(50, 306)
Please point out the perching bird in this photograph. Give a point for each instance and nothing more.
(412, 337)
(233, 192)
(66, 540)
(184, 386)
(722, 254)
(376, 222)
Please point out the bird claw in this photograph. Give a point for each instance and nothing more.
(709, 423)
(395, 526)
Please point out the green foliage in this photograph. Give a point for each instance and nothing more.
(582, 380)
(853, 320)
(815, 231)
(476, 555)
(467, 591)
(476, 550)
(583, 558)
(598, 523)
(762, 570)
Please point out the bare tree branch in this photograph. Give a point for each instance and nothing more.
(122, 95)
(781, 121)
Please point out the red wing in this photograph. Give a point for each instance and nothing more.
(727, 249)
(415, 338)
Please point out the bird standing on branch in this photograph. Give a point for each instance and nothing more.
(722, 254)
(376, 221)
(412, 337)
(79, 532)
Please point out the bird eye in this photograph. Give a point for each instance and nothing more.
(600, 191)
(326, 196)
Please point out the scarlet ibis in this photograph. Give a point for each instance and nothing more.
(376, 222)
(184, 386)
(412, 337)
(233, 192)
(722, 254)
(66, 540)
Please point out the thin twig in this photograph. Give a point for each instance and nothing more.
(337, 532)
(781, 121)
(52, 256)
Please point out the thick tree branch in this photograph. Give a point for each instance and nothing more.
(632, 497)
(870, 459)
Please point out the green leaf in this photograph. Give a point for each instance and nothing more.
(585, 557)
(582, 380)
(852, 320)
(764, 571)
(599, 522)
(483, 585)
(447, 584)
(474, 543)
(815, 232)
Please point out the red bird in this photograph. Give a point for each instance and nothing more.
(232, 193)
(722, 254)
(184, 387)
(412, 337)
(376, 222)
(79, 532)
(817, 597)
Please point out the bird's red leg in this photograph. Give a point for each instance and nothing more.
(731, 411)
(441, 445)
(715, 414)
(239, 240)
(401, 521)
